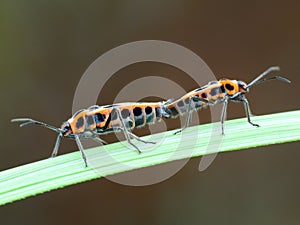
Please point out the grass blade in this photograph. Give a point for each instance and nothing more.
(49, 174)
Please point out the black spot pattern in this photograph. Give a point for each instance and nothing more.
(130, 124)
(214, 91)
(137, 111)
(229, 87)
(222, 89)
(125, 113)
(99, 118)
(158, 112)
(203, 95)
(180, 104)
(174, 111)
(148, 110)
(90, 120)
(79, 123)
(114, 114)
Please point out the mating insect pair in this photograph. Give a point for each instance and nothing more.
(97, 120)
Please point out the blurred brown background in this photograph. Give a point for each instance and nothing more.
(45, 46)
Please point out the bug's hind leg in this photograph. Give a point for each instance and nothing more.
(139, 139)
(125, 131)
(97, 139)
(189, 111)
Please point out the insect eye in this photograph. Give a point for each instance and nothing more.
(65, 127)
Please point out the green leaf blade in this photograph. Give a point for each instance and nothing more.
(49, 174)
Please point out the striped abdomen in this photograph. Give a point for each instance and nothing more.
(133, 115)
(211, 94)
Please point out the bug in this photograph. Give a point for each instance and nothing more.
(222, 91)
(97, 120)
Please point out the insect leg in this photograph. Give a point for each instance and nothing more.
(139, 139)
(55, 150)
(247, 109)
(97, 139)
(125, 131)
(188, 118)
(135, 136)
(223, 115)
(94, 137)
(81, 149)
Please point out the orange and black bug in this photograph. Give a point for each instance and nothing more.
(97, 120)
(223, 91)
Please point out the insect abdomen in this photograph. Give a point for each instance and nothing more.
(132, 114)
(200, 98)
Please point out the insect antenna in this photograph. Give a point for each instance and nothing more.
(272, 78)
(28, 121)
(259, 79)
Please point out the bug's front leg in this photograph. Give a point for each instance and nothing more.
(247, 109)
(56, 147)
(77, 139)
(241, 98)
